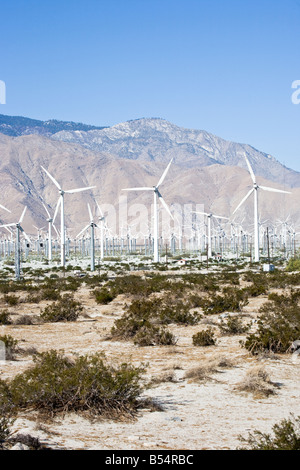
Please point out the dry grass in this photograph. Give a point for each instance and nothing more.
(209, 367)
(257, 382)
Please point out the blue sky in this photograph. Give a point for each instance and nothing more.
(225, 66)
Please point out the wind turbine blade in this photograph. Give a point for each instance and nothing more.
(164, 204)
(202, 213)
(22, 216)
(250, 170)
(56, 209)
(24, 233)
(51, 177)
(7, 225)
(164, 174)
(138, 189)
(2, 207)
(82, 231)
(273, 190)
(219, 217)
(90, 214)
(47, 212)
(55, 229)
(243, 200)
(100, 210)
(72, 191)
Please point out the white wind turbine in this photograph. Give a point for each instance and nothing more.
(62, 214)
(50, 221)
(102, 227)
(91, 225)
(19, 229)
(254, 190)
(209, 217)
(158, 195)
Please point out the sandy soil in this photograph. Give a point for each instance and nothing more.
(196, 415)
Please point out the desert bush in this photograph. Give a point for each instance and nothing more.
(233, 325)
(231, 299)
(6, 414)
(152, 335)
(204, 338)
(278, 325)
(49, 293)
(257, 381)
(56, 383)
(103, 296)
(65, 309)
(293, 265)
(5, 317)
(11, 346)
(11, 300)
(286, 436)
(140, 320)
(208, 367)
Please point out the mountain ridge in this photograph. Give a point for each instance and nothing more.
(16, 126)
(155, 139)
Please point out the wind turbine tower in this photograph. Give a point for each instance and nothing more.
(157, 197)
(60, 203)
(254, 190)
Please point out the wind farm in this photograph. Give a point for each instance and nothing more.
(174, 232)
(199, 281)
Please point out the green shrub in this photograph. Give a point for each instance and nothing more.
(10, 345)
(204, 338)
(140, 320)
(49, 293)
(5, 317)
(152, 335)
(65, 309)
(6, 414)
(233, 325)
(11, 300)
(293, 265)
(286, 436)
(278, 325)
(103, 296)
(56, 383)
(232, 300)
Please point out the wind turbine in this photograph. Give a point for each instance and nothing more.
(50, 221)
(254, 190)
(92, 225)
(102, 227)
(60, 203)
(209, 217)
(19, 229)
(157, 196)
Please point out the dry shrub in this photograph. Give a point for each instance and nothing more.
(208, 367)
(166, 376)
(257, 382)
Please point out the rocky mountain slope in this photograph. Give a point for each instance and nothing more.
(19, 125)
(210, 174)
(157, 140)
(216, 187)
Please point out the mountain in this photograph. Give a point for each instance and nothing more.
(157, 140)
(207, 172)
(17, 125)
(216, 187)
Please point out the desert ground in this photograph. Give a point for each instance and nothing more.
(207, 414)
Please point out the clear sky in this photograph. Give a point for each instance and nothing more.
(224, 66)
